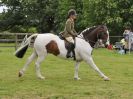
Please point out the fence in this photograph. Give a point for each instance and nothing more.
(114, 39)
(16, 38)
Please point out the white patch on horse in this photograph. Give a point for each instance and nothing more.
(87, 29)
(81, 34)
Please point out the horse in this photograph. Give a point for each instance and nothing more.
(49, 43)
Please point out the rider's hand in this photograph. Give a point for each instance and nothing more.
(75, 35)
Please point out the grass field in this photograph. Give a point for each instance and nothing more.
(59, 82)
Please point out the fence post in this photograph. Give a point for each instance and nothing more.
(16, 41)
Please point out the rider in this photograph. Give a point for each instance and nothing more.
(69, 32)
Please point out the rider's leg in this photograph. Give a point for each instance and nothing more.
(70, 47)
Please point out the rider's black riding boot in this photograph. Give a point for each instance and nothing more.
(68, 53)
(71, 49)
(74, 57)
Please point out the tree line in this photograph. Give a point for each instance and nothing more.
(50, 15)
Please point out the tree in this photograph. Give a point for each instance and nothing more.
(27, 13)
(114, 13)
(47, 15)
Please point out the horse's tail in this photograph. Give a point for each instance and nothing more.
(24, 46)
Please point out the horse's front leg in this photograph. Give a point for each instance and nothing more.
(76, 70)
(93, 65)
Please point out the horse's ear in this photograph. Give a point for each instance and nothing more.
(104, 25)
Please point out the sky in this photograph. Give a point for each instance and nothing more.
(1, 8)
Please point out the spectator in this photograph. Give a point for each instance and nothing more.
(99, 44)
(127, 34)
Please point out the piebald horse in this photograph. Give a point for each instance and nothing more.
(50, 43)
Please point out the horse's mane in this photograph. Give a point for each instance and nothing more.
(88, 30)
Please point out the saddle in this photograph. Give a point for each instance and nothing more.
(69, 46)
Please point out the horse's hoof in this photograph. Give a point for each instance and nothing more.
(41, 77)
(20, 74)
(106, 79)
(77, 78)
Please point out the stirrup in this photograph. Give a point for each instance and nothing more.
(74, 58)
(69, 55)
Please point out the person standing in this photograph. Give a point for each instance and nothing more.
(127, 33)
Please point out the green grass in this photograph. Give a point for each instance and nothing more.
(59, 82)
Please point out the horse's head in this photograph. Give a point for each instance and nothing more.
(94, 33)
(103, 34)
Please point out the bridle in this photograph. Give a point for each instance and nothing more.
(81, 37)
(89, 41)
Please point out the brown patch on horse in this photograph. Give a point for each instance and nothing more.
(52, 48)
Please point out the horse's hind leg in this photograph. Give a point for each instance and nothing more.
(29, 60)
(93, 65)
(42, 53)
(76, 77)
(38, 62)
